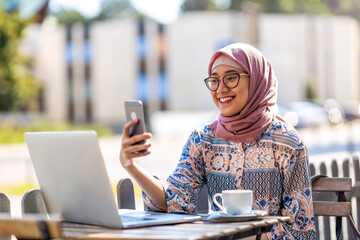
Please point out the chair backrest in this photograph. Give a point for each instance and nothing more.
(125, 194)
(4, 204)
(34, 228)
(203, 201)
(329, 199)
(5, 209)
(33, 202)
(331, 207)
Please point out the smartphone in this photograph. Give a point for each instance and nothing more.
(134, 110)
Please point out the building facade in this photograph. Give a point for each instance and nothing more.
(87, 72)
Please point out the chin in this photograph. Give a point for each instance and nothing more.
(229, 114)
(226, 114)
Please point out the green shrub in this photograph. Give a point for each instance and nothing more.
(13, 133)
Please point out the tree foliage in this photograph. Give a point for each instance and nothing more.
(343, 7)
(198, 5)
(115, 9)
(69, 16)
(110, 9)
(17, 83)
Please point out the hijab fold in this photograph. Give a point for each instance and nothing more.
(248, 125)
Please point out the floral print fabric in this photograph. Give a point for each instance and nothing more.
(275, 167)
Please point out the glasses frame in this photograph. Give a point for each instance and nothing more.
(222, 79)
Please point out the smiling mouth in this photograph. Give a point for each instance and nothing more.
(225, 99)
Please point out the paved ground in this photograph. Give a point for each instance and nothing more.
(169, 134)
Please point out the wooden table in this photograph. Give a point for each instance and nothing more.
(35, 228)
(196, 230)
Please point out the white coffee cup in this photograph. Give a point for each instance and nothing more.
(235, 202)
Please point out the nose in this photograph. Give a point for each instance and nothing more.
(222, 87)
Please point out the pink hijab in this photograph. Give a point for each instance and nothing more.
(249, 124)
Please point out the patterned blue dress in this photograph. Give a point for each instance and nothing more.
(275, 167)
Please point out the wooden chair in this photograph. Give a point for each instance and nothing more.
(33, 202)
(125, 194)
(329, 200)
(4, 210)
(29, 228)
(4, 204)
(126, 197)
(203, 202)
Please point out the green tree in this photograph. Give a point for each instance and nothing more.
(310, 89)
(272, 6)
(110, 9)
(199, 5)
(17, 83)
(65, 16)
(115, 9)
(302, 6)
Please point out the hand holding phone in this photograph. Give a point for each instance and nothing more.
(134, 110)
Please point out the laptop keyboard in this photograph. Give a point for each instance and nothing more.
(129, 219)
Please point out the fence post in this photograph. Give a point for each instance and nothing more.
(326, 220)
(356, 189)
(346, 173)
(335, 173)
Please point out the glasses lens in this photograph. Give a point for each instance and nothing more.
(231, 80)
(212, 83)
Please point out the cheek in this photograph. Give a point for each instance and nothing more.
(244, 92)
(245, 95)
(214, 98)
(213, 95)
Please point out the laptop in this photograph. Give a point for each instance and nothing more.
(74, 182)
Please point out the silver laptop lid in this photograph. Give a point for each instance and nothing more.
(72, 176)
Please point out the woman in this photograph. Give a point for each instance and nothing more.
(247, 147)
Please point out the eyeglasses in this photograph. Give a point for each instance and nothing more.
(230, 81)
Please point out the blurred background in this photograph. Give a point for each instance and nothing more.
(67, 65)
(76, 62)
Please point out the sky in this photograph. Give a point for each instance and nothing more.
(165, 11)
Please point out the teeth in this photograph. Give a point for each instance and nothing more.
(225, 99)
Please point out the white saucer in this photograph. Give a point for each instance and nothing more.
(220, 216)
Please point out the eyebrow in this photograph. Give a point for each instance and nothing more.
(226, 72)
